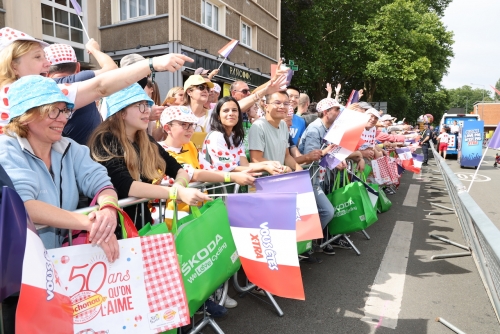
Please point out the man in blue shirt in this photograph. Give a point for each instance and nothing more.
(65, 68)
(298, 123)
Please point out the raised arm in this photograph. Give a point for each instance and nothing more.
(115, 80)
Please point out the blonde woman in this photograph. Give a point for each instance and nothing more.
(22, 55)
(175, 97)
(134, 161)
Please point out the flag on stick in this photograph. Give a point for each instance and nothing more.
(78, 11)
(226, 49)
(266, 241)
(496, 90)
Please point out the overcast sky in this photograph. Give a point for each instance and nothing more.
(476, 27)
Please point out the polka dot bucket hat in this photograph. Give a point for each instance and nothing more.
(60, 54)
(9, 36)
(177, 113)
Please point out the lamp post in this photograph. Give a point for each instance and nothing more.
(482, 116)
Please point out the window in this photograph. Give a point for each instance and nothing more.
(210, 15)
(246, 34)
(60, 24)
(130, 9)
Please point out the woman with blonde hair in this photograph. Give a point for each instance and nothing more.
(22, 55)
(50, 171)
(134, 161)
(175, 97)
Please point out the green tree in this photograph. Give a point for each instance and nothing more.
(465, 97)
(397, 49)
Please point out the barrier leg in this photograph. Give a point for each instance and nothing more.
(207, 320)
(329, 241)
(448, 241)
(250, 286)
(449, 256)
(365, 234)
(352, 244)
(450, 326)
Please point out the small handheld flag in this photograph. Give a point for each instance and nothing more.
(353, 98)
(227, 49)
(78, 11)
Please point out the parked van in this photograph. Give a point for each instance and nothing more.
(447, 120)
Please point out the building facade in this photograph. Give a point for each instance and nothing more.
(489, 112)
(197, 28)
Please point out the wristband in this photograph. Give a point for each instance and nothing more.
(151, 67)
(227, 177)
(180, 178)
(173, 193)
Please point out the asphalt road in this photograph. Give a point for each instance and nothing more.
(393, 286)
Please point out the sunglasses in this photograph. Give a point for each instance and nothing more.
(244, 91)
(201, 87)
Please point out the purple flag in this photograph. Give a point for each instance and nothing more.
(13, 221)
(329, 161)
(495, 140)
(76, 6)
(401, 170)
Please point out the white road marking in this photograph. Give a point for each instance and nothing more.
(384, 301)
(464, 176)
(411, 198)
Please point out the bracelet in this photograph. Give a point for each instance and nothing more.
(108, 204)
(227, 177)
(182, 178)
(151, 67)
(173, 193)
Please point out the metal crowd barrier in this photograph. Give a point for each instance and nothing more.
(481, 235)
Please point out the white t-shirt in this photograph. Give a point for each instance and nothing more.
(203, 121)
(443, 137)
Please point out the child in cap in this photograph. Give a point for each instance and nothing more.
(134, 161)
(179, 124)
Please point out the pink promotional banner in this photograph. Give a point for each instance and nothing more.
(76, 290)
(308, 223)
(266, 241)
(345, 133)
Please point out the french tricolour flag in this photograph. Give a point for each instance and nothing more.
(344, 133)
(308, 223)
(353, 98)
(266, 242)
(43, 307)
(414, 164)
(226, 49)
(404, 153)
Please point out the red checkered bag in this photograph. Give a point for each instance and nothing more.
(393, 171)
(381, 173)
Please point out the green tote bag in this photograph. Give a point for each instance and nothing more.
(206, 251)
(353, 208)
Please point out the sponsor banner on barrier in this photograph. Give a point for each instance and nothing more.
(308, 223)
(76, 290)
(266, 241)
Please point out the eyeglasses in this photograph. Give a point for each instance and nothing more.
(278, 104)
(143, 107)
(201, 87)
(185, 125)
(244, 91)
(55, 112)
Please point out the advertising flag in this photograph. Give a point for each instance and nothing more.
(495, 139)
(308, 223)
(13, 220)
(266, 241)
(226, 49)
